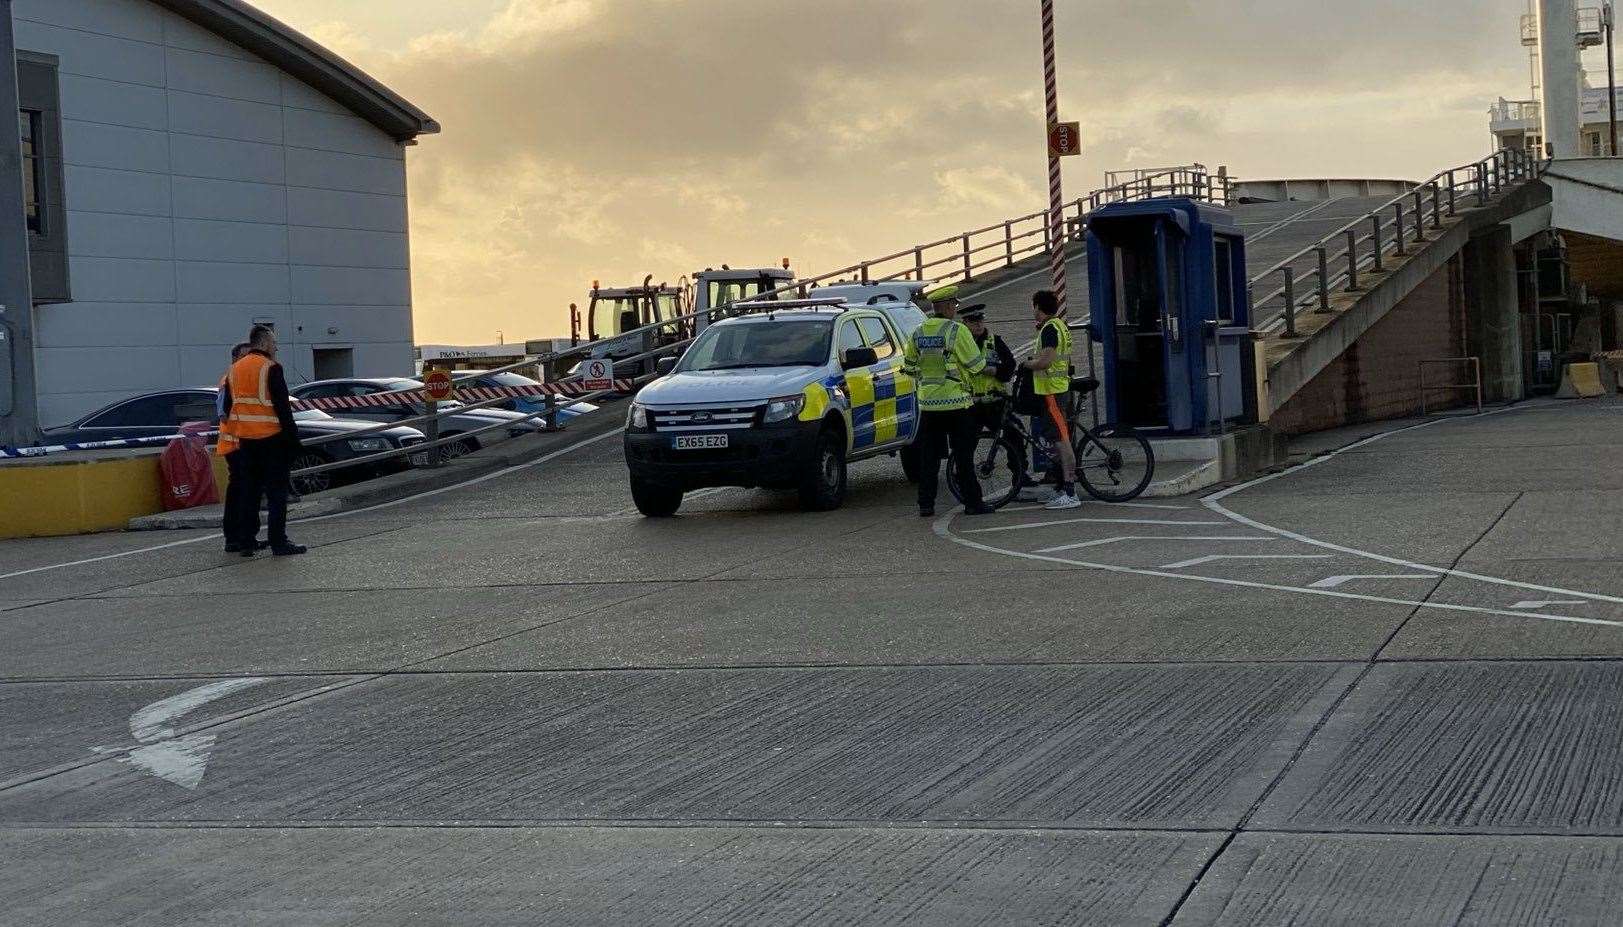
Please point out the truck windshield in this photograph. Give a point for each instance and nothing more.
(760, 344)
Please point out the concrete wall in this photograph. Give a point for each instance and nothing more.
(207, 190)
(1378, 376)
(1587, 196)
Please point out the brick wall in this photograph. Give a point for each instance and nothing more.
(1379, 376)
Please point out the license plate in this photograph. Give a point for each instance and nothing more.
(419, 460)
(699, 442)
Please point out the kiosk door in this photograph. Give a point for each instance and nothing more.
(1140, 348)
(1176, 337)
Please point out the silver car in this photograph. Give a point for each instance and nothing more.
(453, 424)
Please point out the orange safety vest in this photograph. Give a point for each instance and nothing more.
(252, 415)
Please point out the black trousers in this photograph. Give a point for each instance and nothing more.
(938, 431)
(259, 470)
(989, 417)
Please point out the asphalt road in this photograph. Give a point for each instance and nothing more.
(1395, 697)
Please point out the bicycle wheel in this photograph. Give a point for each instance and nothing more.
(997, 468)
(1113, 465)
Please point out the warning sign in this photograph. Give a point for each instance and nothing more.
(597, 373)
(1065, 139)
(439, 386)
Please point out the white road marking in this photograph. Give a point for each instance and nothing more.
(1142, 537)
(181, 760)
(943, 529)
(1113, 505)
(1214, 502)
(1213, 558)
(1334, 582)
(371, 508)
(1089, 521)
(1546, 603)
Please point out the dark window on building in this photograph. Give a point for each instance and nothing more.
(1223, 258)
(39, 126)
(28, 130)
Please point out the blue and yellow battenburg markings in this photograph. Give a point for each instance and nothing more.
(884, 403)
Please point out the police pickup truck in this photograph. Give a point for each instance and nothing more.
(783, 397)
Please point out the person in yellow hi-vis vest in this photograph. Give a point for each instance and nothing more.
(1051, 381)
(257, 438)
(942, 357)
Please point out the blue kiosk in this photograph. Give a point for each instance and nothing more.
(1170, 304)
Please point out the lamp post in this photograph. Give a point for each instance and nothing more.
(1056, 195)
(1610, 13)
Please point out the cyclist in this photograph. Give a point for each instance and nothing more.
(1051, 381)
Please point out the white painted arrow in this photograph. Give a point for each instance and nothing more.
(1546, 603)
(1141, 537)
(1213, 558)
(1335, 582)
(178, 759)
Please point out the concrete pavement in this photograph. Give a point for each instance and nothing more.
(1393, 699)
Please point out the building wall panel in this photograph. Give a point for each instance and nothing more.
(208, 190)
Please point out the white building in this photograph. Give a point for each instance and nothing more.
(193, 167)
(1521, 123)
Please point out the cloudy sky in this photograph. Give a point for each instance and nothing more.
(611, 139)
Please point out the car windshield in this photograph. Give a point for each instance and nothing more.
(797, 343)
(511, 379)
(310, 415)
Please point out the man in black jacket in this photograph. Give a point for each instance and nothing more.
(991, 386)
(265, 444)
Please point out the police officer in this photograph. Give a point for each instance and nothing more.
(942, 356)
(1051, 381)
(990, 387)
(258, 430)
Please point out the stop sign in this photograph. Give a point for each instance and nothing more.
(439, 386)
(1065, 139)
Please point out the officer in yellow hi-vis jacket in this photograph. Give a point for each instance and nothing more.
(942, 356)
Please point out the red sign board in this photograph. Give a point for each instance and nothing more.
(1065, 139)
(439, 386)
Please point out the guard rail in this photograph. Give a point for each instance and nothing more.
(1333, 263)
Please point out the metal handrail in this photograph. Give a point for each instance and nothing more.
(1484, 179)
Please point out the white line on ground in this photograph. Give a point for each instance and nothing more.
(943, 529)
(1547, 603)
(1213, 558)
(1142, 537)
(1090, 521)
(181, 760)
(1335, 582)
(1110, 505)
(372, 508)
(1214, 502)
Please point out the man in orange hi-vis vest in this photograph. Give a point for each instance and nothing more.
(257, 439)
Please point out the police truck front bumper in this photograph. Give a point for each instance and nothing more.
(763, 455)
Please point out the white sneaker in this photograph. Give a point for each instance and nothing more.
(1063, 501)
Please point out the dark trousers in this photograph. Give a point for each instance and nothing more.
(938, 431)
(259, 470)
(989, 417)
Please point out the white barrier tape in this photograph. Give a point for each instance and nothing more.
(14, 453)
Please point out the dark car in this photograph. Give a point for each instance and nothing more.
(453, 424)
(158, 415)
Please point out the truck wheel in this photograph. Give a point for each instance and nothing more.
(910, 462)
(822, 488)
(655, 501)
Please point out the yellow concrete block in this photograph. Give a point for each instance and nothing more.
(1581, 381)
(44, 499)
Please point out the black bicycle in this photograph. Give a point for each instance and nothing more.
(1113, 463)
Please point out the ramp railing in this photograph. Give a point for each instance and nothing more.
(1306, 280)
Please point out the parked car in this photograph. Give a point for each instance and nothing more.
(901, 300)
(454, 424)
(528, 405)
(157, 415)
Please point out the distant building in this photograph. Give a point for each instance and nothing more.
(1520, 123)
(193, 167)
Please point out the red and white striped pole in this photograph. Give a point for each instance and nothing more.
(1056, 195)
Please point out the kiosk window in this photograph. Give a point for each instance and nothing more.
(1223, 261)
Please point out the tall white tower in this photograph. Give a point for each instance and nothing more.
(1558, 46)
